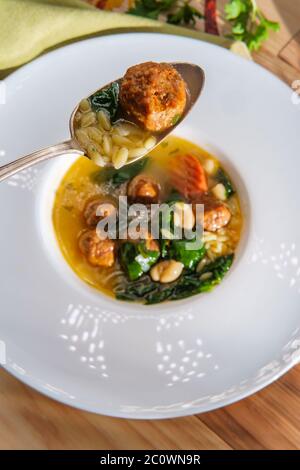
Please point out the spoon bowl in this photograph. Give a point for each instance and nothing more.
(194, 78)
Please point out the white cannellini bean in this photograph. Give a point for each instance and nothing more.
(210, 166)
(184, 215)
(120, 158)
(137, 152)
(85, 106)
(104, 120)
(219, 191)
(88, 119)
(150, 142)
(166, 271)
(107, 145)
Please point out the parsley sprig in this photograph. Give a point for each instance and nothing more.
(248, 23)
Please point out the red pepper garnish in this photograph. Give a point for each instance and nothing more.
(100, 4)
(211, 25)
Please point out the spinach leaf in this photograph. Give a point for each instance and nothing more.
(106, 99)
(136, 259)
(136, 290)
(132, 268)
(221, 177)
(180, 252)
(218, 267)
(118, 177)
(190, 283)
(173, 197)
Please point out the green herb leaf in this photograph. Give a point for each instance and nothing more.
(118, 177)
(175, 119)
(180, 251)
(233, 9)
(136, 259)
(107, 100)
(271, 24)
(248, 23)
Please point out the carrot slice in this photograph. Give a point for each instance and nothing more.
(188, 176)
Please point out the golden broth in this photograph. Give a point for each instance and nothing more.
(77, 187)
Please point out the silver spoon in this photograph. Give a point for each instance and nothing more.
(193, 76)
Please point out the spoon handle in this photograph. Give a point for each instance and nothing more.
(67, 147)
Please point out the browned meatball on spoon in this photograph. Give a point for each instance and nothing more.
(154, 95)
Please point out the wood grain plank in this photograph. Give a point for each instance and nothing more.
(276, 65)
(291, 52)
(266, 420)
(30, 420)
(287, 12)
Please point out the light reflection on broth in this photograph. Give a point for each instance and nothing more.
(78, 187)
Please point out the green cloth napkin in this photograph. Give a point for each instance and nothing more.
(29, 27)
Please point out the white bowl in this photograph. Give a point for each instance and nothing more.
(82, 348)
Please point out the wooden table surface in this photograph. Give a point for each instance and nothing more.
(269, 419)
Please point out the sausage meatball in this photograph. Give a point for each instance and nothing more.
(144, 189)
(216, 214)
(98, 252)
(153, 94)
(90, 211)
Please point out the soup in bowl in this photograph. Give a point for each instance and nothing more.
(164, 228)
